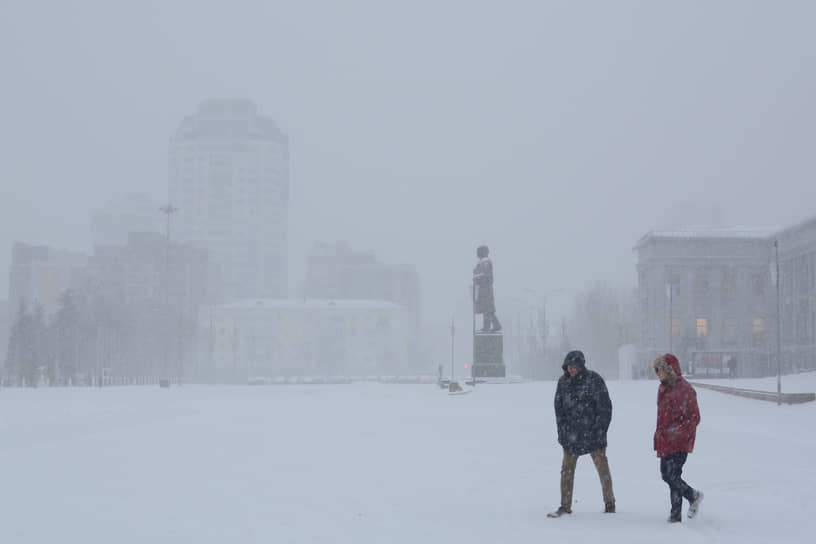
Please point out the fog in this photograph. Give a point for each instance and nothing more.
(557, 133)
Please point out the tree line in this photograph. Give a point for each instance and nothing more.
(92, 338)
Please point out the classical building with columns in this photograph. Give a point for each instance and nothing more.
(709, 296)
(797, 271)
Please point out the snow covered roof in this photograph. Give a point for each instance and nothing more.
(715, 232)
(732, 232)
(801, 225)
(709, 232)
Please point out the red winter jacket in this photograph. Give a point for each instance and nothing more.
(677, 413)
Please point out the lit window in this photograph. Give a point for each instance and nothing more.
(759, 326)
(676, 327)
(702, 327)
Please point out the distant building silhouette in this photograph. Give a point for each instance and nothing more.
(285, 337)
(112, 223)
(337, 272)
(40, 274)
(229, 177)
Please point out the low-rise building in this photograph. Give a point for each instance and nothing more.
(709, 295)
(797, 271)
(287, 337)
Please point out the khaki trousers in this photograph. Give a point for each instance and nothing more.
(568, 476)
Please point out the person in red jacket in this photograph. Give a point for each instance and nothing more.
(677, 420)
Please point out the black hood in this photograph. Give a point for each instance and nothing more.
(576, 359)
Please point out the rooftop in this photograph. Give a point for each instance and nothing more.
(709, 232)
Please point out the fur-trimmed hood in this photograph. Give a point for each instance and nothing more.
(670, 365)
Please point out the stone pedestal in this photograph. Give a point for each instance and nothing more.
(488, 358)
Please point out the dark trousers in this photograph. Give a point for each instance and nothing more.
(671, 468)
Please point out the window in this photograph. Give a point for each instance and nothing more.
(674, 282)
(730, 330)
(729, 283)
(702, 327)
(759, 284)
(759, 327)
(801, 321)
(701, 283)
(676, 327)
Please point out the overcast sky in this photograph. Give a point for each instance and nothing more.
(557, 133)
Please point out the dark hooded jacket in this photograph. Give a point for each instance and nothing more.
(677, 412)
(583, 409)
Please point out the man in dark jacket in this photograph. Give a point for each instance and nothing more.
(583, 411)
(677, 420)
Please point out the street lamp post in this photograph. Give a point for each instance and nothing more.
(670, 294)
(778, 331)
(167, 210)
(453, 332)
(541, 318)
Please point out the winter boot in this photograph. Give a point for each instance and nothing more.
(609, 508)
(560, 512)
(694, 507)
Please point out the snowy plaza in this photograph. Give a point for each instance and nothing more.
(374, 463)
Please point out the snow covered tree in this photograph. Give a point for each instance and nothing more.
(65, 329)
(603, 319)
(14, 355)
(26, 353)
(41, 347)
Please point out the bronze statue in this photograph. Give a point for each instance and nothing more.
(483, 301)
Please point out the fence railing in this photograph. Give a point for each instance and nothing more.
(787, 398)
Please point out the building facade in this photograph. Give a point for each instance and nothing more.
(161, 288)
(229, 179)
(282, 338)
(710, 297)
(797, 271)
(5, 327)
(337, 272)
(705, 295)
(40, 274)
(145, 272)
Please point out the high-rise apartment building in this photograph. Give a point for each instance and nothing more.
(229, 179)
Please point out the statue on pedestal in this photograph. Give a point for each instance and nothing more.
(483, 301)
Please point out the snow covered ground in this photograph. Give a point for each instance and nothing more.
(376, 463)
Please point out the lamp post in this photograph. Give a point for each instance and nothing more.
(539, 315)
(670, 294)
(167, 210)
(453, 332)
(778, 331)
